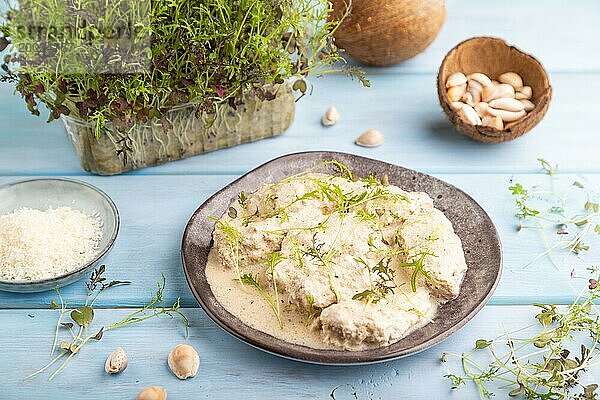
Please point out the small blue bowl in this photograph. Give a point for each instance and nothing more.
(44, 193)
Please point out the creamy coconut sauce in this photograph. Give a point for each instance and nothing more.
(334, 263)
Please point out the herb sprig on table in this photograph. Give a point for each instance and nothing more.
(81, 318)
(550, 362)
(546, 209)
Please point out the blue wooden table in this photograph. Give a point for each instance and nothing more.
(155, 204)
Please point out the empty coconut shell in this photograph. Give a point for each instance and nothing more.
(493, 57)
(385, 32)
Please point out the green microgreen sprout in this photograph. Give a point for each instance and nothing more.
(544, 208)
(322, 258)
(83, 316)
(312, 311)
(206, 53)
(417, 264)
(381, 286)
(248, 279)
(242, 199)
(272, 260)
(234, 238)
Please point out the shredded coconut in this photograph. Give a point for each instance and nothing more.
(37, 244)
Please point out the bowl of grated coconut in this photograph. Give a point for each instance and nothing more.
(53, 231)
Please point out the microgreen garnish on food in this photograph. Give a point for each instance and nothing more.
(381, 286)
(305, 232)
(82, 318)
(312, 310)
(233, 238)
(549, 363)
(248, 279)
(418, 267)
(242, 199)
(318, 254)
(272, 260)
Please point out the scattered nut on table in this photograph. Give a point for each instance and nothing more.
(184, 361)
(331, 116)
(487, 102)
(116, 361)
(371, 138)
(152, 393)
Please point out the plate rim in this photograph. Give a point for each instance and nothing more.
(304, 355)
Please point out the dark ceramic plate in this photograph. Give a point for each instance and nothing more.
(474, 227)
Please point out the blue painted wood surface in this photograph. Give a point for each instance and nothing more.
(155, 204)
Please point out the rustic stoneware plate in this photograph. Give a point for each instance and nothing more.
(479, 238)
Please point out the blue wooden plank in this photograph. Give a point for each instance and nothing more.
(404, 108)
(155, 209)
(229, 369)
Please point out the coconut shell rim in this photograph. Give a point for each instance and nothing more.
(489, 134)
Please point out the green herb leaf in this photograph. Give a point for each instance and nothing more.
(547, 167)
(83, 316)
(300, 85)
(589, 391)
(482, 344)
(54, 305)
(591, 206)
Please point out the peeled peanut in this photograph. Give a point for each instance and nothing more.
(455, 93)
(513, 79)
(527, 105)
(524, 93)
(474, 89)
(469, 114)
(116, 361)
(507, 103)
(483, 79)
(492, 121)
(184, 361)
(507, 116)
(456, 79)
(481, 108)
(490, 93)
(331, 116)
(457, 105)
(473, 85)
(505, 90)
(470, 99)
(152, 393)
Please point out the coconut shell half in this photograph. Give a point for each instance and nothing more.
(386, 32)
(493, 57)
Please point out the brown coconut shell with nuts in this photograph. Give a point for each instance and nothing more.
(493, 57)
(385, 32)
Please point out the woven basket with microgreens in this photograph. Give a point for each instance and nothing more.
(182, 77)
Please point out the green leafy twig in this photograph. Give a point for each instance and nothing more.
(540, 366)
(248, 279)
(548, 209)
(83, 317)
